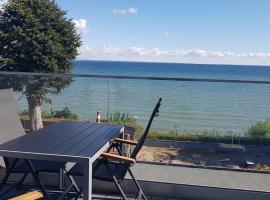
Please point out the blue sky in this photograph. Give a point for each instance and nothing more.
(196, 31)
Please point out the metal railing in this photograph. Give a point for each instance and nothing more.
(107, 92)
(136, 77)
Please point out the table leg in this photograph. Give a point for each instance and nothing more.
(87, 180)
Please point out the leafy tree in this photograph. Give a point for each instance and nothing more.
(36, 36)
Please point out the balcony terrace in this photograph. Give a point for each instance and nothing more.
(160, 177)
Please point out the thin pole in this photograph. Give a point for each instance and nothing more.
(108, 103)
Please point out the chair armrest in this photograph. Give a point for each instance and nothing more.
(125, 141)
(118, 158)
(29, 196)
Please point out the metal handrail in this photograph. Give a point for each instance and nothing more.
(136, 77)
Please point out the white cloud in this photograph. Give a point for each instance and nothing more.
(127, 11)
(109, 52)
(132, 10)
(81, 25)
(166, 34)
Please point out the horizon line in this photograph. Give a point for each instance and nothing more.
(161, 62)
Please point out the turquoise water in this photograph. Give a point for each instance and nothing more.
(186, 105)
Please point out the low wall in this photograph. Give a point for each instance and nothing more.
(221, 147)
(160, 189)
(26, 123)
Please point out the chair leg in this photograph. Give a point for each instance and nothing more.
(117, 147)
(141, 193)
(41, 185)
(117, 183)
(17, 186)
(21, 181)
(37, 179)
(79, 195)
(65, 192)
(8, 172)
(73, 182)
(119, 188)
(120, 150)
(4, 181)
(110, 148)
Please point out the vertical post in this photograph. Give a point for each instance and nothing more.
(98, 117)
(87, 180)
(61, 178)
(175, 127)
(108, 106)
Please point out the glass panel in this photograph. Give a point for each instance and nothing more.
(190, 111)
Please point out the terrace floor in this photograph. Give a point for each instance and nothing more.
(171, 182)
(56, 194)
(203, 177)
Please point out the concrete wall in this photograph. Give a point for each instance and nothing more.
(176, 191)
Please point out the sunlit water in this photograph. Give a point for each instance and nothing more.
(186, 105)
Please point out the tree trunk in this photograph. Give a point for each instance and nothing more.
(34, 104)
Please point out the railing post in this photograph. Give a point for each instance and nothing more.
(108, 103)
(98, 117)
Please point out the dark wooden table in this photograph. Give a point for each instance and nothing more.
(80, 142)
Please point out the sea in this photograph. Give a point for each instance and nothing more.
(186, 106)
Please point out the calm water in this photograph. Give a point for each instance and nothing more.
(186, 106)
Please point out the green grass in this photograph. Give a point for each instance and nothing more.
(65, 113)
(260, 129)
(156, 156)
(257, 134)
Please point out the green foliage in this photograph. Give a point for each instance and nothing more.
(157, 156)
(64, 113)
(209, 136)
(24, 113)
(126, 120)
(193, 136)
(118, 117)
(36, 36)
(260, 129)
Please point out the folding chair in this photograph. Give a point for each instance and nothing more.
(112, 167)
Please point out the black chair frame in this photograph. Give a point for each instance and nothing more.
(125, 167)
(10, 168)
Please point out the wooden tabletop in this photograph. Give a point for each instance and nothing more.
(63, 139)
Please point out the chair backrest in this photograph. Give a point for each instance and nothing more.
(144, 136)
(10, 124)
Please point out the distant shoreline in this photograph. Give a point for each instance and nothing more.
(176, 63)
